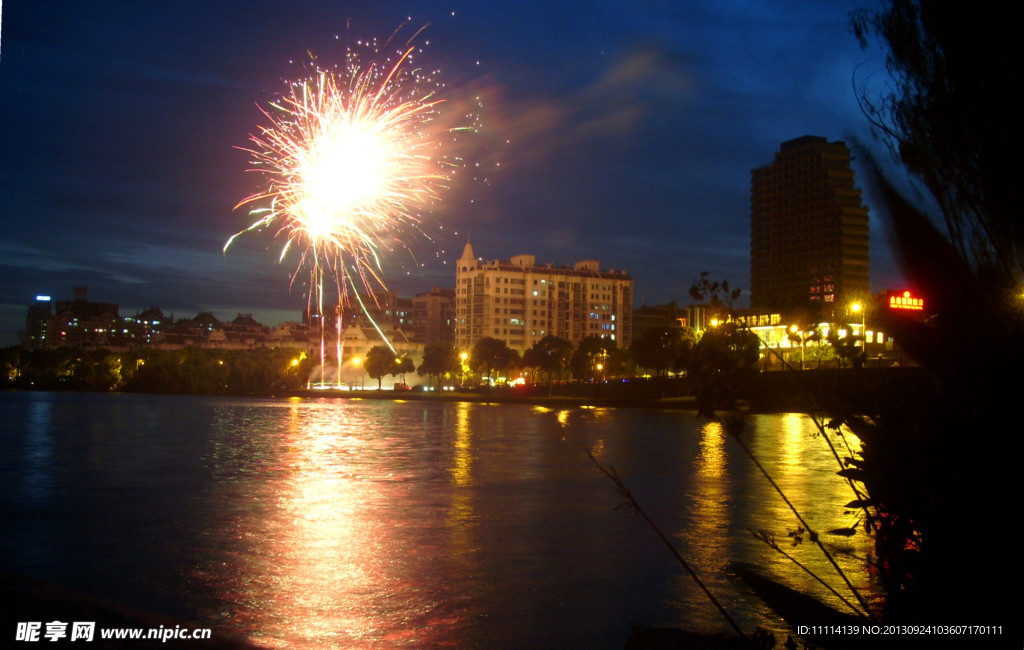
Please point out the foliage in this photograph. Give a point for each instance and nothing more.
(438, 359)
(719, 364)
(551, 355)
(845, 345)
(380, 360)
(664, 348)
(596, 357)
(717, 294)
(951, 115)
(724, 349)
(402, 367)
(189, 370)
(492, 355)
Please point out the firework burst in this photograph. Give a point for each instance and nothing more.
(351, 157)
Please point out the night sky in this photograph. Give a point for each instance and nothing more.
(622, 132)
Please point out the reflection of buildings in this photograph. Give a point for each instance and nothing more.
(808, 230)
(520, 302)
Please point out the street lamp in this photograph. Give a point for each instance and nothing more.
(858, 308)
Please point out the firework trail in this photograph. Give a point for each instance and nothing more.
(350, 157)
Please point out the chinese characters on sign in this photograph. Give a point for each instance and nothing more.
(906, 301)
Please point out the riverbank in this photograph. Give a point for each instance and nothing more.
(501, 395)
(759, 392)
(771, 392)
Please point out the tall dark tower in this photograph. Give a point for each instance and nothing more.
(808, 230)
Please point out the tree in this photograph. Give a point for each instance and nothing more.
(438, 359)
(717, 294)
(490, 355)
(724, 349)
(379, 361)
(663, 348)
(402, 366)
(803, 333)
(11, 359)
(595, 357)
(551, 355)
(845, 345)
(951, 116)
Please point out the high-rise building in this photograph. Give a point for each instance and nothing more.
(808, 230)
(520, 303)
(433, 317)
(37, 322)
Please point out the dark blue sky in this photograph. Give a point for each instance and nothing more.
(631, 131)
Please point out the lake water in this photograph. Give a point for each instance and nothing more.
(362, 523)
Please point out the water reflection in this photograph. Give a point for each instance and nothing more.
(351, 523)
(797, 456)
(38, 457)
(459, 514)
(326, 562)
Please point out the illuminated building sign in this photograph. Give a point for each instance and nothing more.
(43, 298)
(906, 301)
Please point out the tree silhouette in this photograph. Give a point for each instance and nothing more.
(490, 355)
(438, 359)
(379, 362)
(592, 352)
(663, 348)
(551, 355)
(402, 366)
(951, 114)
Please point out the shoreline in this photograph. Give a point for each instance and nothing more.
(686, 403)
(763, 392)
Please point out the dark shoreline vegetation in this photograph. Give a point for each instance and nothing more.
(270, 373)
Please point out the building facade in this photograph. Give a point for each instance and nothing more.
(808, 230)
(520, 302)
(37, 323)
(433, 317)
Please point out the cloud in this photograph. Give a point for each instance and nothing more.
(523, 128)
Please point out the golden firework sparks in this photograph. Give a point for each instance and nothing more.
(350, 158)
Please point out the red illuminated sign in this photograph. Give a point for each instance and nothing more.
(906, 301)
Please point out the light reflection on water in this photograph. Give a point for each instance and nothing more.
(351, 523)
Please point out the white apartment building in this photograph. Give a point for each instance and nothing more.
(520, 303)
